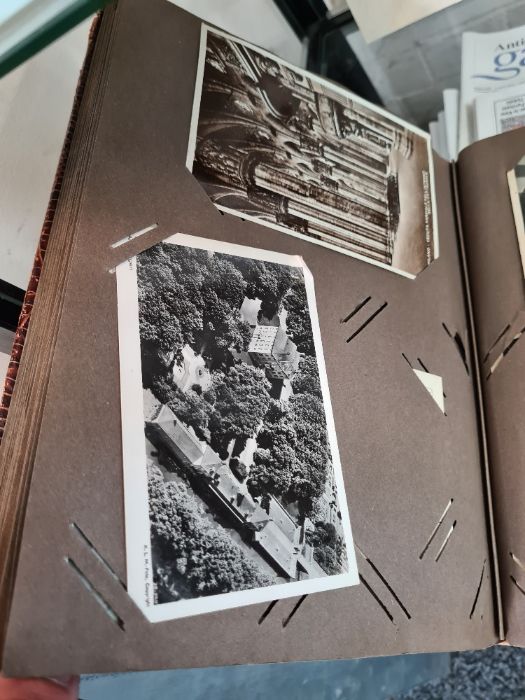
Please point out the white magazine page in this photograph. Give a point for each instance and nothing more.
(500, 112)
(434, 136)
(444, 153)
(451, 103)
(490, 63)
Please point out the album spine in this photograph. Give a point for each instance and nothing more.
(482, 431)
(16, 465)
(38, 262)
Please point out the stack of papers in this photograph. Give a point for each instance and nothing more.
(492, 95)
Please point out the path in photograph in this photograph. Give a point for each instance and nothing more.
(280, 146)
(241, 483)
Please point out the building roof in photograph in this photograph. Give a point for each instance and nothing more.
(275, 342)
(263, 339)
(285, 352)
(282, 518)
(278, 546)
(306, 561)
(210, 457)
(276, 531)
(184, 442)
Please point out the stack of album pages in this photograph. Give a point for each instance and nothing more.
(492, 95)
(264, 402)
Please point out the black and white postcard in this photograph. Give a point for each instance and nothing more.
(280, 146)
(233, 485)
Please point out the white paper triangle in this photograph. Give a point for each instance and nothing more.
(434, 385)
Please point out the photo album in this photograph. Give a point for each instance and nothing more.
(263, 402)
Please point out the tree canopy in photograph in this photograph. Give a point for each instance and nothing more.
(241, 401)
(328, 547)
(192, 408)
(266, 281)
(306, 379)
(293, 454)
(298, 321)
(232, 408)
(194, 297)
(189, 296)
(195, 559)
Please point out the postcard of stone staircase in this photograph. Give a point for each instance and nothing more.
(284, 148)
(233, 485)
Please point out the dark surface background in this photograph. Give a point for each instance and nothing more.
(328, 52)
(11, 298)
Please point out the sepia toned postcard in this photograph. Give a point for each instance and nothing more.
(233, 485)
(284, 148)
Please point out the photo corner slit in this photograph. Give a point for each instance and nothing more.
(233, 485)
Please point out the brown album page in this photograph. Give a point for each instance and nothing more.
(413, 474)
(497, 286)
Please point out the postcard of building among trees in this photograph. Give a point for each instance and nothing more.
(283, 147)
(233, 483)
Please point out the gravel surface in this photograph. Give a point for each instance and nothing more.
(493, 674)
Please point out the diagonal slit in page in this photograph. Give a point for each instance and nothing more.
(369, 320)
(446, 541)
(435, 530)
(84, 538)
(376, 598)
(96, 595)
(478, 590)
(131, 236)
(385, 582)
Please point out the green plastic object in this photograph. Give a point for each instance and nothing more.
(39, 36)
